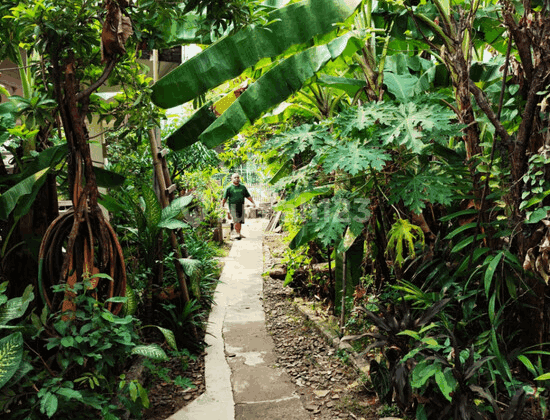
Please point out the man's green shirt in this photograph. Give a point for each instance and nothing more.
(235, 194)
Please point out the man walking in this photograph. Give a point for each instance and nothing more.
(235, 194)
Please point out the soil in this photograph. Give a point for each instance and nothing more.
(329, 387)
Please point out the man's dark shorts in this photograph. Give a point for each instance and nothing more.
(237, 213)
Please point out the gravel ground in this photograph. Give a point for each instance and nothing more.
(329, 387)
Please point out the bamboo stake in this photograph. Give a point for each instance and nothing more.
(164, 202)
(343, 303)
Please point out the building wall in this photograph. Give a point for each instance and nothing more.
(9, 78)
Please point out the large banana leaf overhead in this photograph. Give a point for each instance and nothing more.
(268, 91)
(229, 57)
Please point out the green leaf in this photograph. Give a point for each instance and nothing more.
(304, 235)
(131, 304)
(465, 242)
(403, 86)
(108, 179)
(11, 355)
(152, 351)
(423, 371)
(229, 57)
(403, 232)
(172, 224)
(527, 363)
(15, 194)
(153, 209)
(489, 273)
(446, 382)
(271, 89)
(70, 394)
(354, 158)
(348, 85)
(543, 377)
(190, 266)
(460, 229)
(48, 404)
(67, 341)
(302, 198)
(175, 208)
(192, 128)
(169, 337)
(16, 307)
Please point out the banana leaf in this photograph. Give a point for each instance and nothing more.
(28, 187)
(273, 88)
(230, 56)
(268, 91)
(348, 85)
(191, 129)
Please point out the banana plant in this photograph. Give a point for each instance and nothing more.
(282, 41)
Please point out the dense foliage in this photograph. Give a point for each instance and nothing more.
(415, 159)
(411, 153)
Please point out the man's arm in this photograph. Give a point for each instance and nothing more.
(251, 200)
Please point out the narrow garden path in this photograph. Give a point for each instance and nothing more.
(242, 379)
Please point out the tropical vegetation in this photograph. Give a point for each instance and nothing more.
(408, 142)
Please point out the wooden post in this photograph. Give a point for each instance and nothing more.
(165, 202)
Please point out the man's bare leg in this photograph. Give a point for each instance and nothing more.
(238, 229)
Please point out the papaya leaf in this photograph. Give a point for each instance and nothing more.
(426, 185)
(227, 58)
(299, 139)
(353, 158)
(402, 233)
(416, 124)
(331, 217)
(361, 118)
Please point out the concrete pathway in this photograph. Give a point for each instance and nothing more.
(242, 381)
